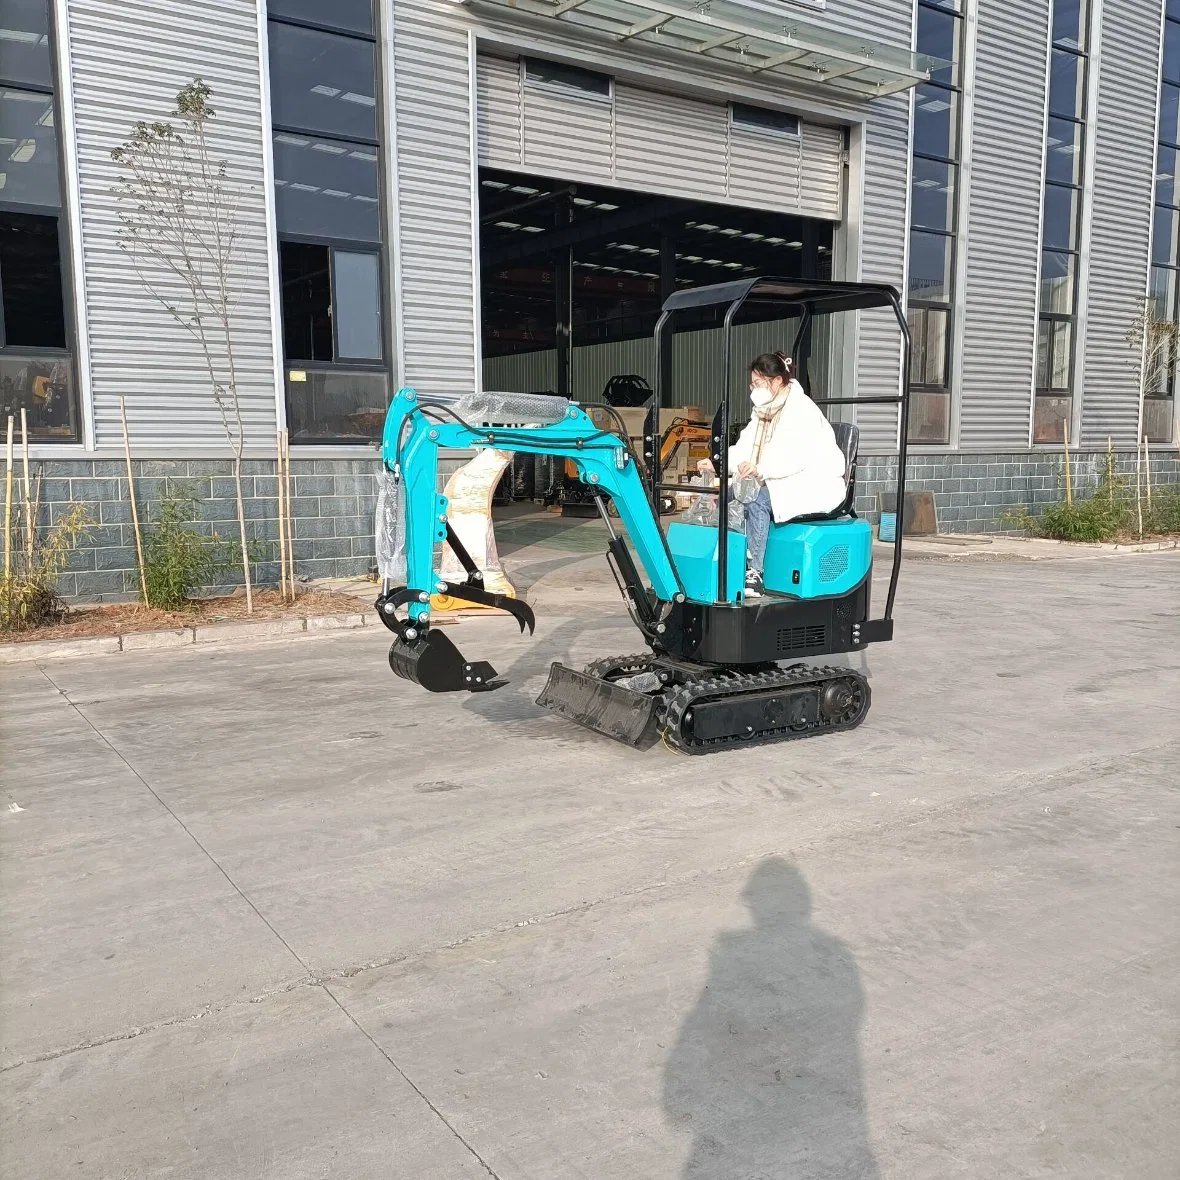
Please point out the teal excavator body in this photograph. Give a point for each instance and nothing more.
(720, 669)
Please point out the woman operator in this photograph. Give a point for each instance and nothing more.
(789, 447)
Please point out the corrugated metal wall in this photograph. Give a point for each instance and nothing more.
(1124, 175)
(128, 58)
(885, 211)
(1003, 263)
(433, 81)
(654, 142)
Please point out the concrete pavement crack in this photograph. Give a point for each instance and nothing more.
(442, 1118)
(183, 826)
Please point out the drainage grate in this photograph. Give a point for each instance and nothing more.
(834, 564)
(802, 638)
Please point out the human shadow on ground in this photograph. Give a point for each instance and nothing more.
(766, 1072)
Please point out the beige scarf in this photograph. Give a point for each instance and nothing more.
(766, 416)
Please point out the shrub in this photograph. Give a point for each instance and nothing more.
(28, 597)
(1107, 515)
(178, 560)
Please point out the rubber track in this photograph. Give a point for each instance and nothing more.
(679, 700)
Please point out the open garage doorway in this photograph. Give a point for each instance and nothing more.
(573, 277)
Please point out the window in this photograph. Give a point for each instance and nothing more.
(36, 369)
(327, 156)
(1159, 407)
(934, 202)
(1061, 229)
(762, 119)
(561, 77)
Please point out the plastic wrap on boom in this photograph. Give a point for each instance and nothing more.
(512, 409)
(390, 527)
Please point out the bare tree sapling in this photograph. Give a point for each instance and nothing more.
(179, 226)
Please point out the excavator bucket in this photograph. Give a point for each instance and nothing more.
(609, 709)
(436, 664)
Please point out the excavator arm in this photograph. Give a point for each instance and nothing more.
(416, 430)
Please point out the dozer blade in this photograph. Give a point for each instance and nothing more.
(436, 664)
(607, 708)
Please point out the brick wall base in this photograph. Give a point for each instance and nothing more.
(334, 501)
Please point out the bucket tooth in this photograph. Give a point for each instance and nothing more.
(609, 709)
(437, 665)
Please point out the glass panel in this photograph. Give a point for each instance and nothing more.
(1061, 217)
(1159, 375)
(44, 386)
(1163, 292)
(28, 149)
(336, 406)
(1159, 419)
(1172, 51)
(1165, 176)
(917, 319)
(326, 189)
(1067, 92)
(1062, 359)
(1044, 356)
(937, 333)
(933, 201)
(352, 16)
(357, 303)
(1069, 23)
(938, 36)
(323, 82)
(1050, 417)
(930, 418)
(1170, 113)
(24, 42)
(1163, 247)
(931, 258)
(307, 302)
(936, 122)
(1057, 282)
(1064, 161)
(30, 281)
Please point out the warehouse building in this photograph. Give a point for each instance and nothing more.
(454, 194)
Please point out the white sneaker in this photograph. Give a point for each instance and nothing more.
(754, 585)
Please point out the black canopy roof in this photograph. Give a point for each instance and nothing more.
(819, 296)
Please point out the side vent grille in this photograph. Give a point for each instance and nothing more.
(834, 564)
(793, 639)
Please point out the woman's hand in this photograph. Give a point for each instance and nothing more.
(705, 467)
(746, 470)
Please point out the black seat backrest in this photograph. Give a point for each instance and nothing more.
(848, 440)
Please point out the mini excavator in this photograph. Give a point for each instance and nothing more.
(720, 670)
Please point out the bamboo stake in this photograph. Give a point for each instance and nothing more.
(8, 505)
(1139, 484)
(1068, 473)
(1147, 464)
(131, 496)
(290, 514)
(282, 509)
(24, 438)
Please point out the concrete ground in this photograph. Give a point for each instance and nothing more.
(270, 912)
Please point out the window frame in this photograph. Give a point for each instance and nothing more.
(1046, 319)
(953, 10)
(332, 243)
(1172, 265)
(65, 253)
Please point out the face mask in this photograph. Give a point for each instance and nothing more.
(761, 396)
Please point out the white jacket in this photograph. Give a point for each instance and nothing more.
(800, 462)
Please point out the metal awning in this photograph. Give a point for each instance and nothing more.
(754, 41)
